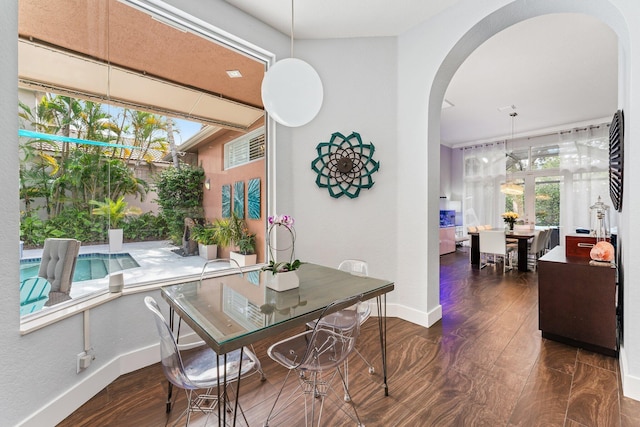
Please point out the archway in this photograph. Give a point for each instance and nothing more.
(490, 25)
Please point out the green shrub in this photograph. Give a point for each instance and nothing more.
(180, 196)
(145, 227)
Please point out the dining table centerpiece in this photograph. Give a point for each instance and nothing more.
(282, 274)
(510, 219)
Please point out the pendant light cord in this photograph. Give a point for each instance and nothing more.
(292, 28)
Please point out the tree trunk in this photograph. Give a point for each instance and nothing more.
(172, 143)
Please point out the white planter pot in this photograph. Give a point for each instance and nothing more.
(115, 240)
(116, 282)
(242, 260)
(208, 251)
(283, 281)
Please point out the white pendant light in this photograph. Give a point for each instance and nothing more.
(292, 90)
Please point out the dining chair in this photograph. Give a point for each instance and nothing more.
(493, 242)
(199, 369)
(523, 227)
(316, 356)
(360, 268)
(536, 249)
(547, 240)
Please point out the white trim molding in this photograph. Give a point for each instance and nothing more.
(630, 383)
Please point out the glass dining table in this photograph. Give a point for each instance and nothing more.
(237, 309)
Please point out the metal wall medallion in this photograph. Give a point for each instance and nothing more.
(345, 165)
(616, 159)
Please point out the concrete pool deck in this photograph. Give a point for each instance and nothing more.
(157, 264)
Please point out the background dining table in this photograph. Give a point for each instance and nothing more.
(523, 247)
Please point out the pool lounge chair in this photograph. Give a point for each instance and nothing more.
(57, 266)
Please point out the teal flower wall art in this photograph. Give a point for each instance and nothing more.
(345, 165)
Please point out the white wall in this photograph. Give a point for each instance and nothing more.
(445, 172)
(331, 229)
(389, 90)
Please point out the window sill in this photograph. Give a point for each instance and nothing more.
(40, 320)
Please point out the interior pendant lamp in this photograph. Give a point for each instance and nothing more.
(292, 90)
(511, 188)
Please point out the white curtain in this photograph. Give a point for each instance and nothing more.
(484, 171)
(584, 162)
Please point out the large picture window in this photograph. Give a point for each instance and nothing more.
(118, 111)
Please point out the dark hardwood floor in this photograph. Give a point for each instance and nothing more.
(484, 364)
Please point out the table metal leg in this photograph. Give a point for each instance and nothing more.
(170, 387)
(223, 395)
(235, 410)
(221, 402)
(382, 326)
(523, 252)
(475, 251)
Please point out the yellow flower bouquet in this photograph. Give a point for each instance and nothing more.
(510, 218)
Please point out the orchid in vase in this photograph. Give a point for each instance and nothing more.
(286, 222)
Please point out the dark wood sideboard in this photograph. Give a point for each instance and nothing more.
(577, 302)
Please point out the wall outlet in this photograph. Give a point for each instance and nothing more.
(83, 360)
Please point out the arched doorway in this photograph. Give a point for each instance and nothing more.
(490, 25)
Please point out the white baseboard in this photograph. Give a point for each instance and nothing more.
(411, 314)
(93, 382)
(630, 383)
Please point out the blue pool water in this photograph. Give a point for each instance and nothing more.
(88, 267)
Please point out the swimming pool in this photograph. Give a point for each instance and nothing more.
(88, 266)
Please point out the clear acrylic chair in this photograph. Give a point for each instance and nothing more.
(199, 369)
(360, 268)
(317, 356)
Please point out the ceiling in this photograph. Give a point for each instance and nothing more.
(328, 19)
(117, 52)
(558, 70)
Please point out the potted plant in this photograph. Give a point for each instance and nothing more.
(282, 274)
(205, 236)
(116, 211)
(244, 241)
(246, 245)
(233, 232)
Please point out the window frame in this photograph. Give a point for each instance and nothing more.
(244, 144)
(174, 17)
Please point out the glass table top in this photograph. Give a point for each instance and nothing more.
(235, 310)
